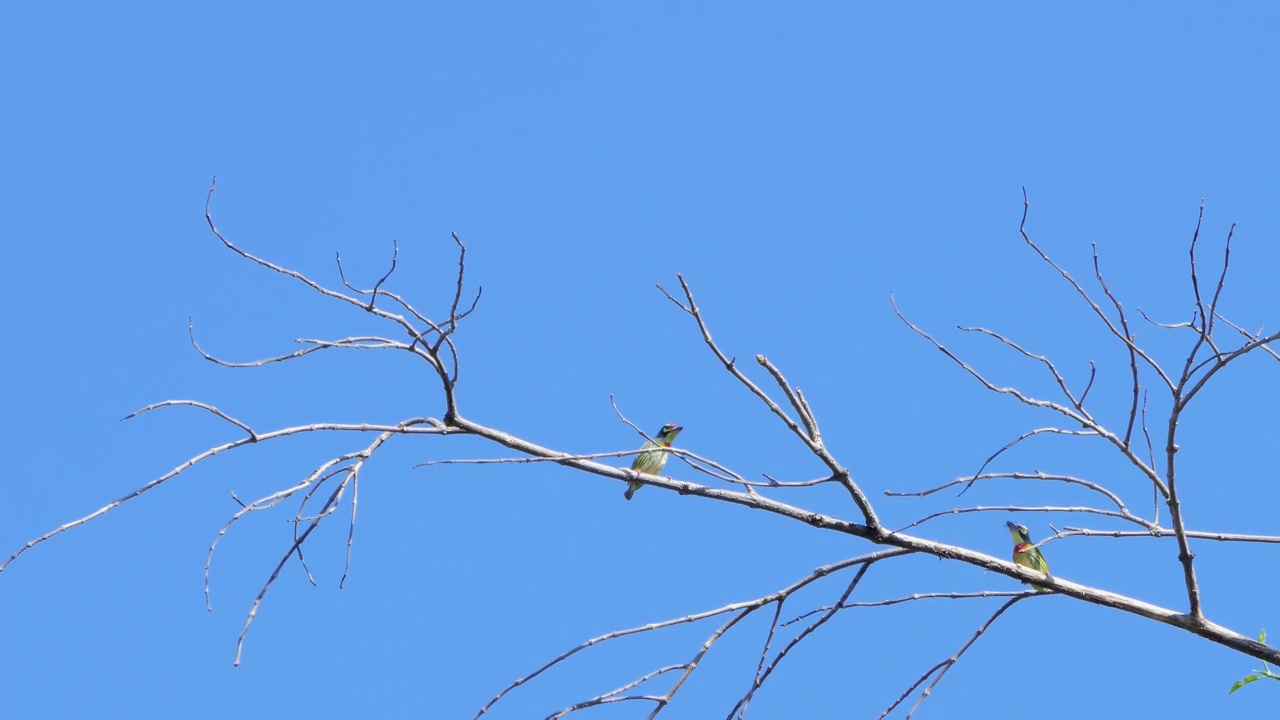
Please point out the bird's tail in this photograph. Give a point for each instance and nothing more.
(630, 491)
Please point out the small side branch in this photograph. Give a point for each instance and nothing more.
(1160, 532)
(796, 399)
(911, 598)
(1181, 397)
(740, 708)
(1123, 337)
(373, 294)
(1024, 436)
(366, 342)
(809, 434)
(294, 548)
(757, 603)
(1038, 475)
(1121, 514)
(616, 695)
(408, 427)
(1130, 343)
(253, 437)
(1082, 418)
(941, 668)
(317, 477)
(1053, 370)
(1252, 336)
(419, 344)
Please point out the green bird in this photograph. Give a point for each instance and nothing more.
(651, 462)
(1025, 552)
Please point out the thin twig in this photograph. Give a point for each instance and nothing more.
(1009, 445)
(1022, 229)
(740, 708)
(1082, 419)
(317, 476)
(801, 408)
(1123, 514)
(1155, 495)
(1053, 370)
(817, 574)
(837, 470)
(616, 695)
(946, 665)
(408, 427)
(1038, 475)
(1251, 336)
(253, 437)
(1160, 532)
(910, 598)
(257, 601)
(1130, 342)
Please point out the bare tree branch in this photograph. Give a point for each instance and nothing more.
(329, 481)
(749, 605)
(447, 381)
(253, 437)
(912, 598)
(813, 443)
(1053, 370)
(1081, 418)
(1130, 342)
(1252, 336)
(1181, 396)
(740, 708)
(1038, 475)
(1009, 445)
(408, 427)
(317, 477)
(315, 345)
(616, 695)
(1159, 532)
(1022, 228)
(942, 667)
(1151, 455)
(1123, 515)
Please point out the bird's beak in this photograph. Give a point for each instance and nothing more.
(1011, 526)
(678, 428)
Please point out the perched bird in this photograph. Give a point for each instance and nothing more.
(651, 462)
(1026, 554)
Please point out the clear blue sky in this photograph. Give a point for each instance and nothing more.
(796, 165)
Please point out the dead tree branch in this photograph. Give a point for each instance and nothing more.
(321, 491)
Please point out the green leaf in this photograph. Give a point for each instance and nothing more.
(1262, 636)
(1242, 682)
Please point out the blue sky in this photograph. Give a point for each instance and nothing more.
(795, 165)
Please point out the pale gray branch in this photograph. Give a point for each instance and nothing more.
(912, 598)
(408, 427)
(1123, 514)
(1078, 417)
(1012, 443)
(837, 470)
(942, 667)
(759, 602)
(1038, 475)
(1129, 343)
(1160, 532)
